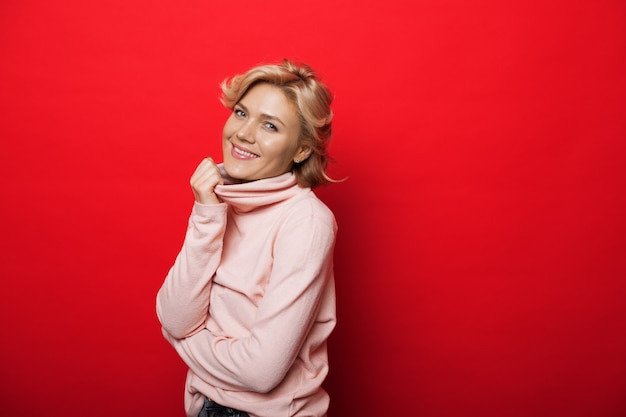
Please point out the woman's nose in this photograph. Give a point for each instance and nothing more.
(246, 133)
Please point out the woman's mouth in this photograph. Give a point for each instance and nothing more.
(240, 153)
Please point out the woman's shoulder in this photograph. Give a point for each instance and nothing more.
(308, 207)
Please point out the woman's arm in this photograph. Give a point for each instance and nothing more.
(183, 300)
(259, 362)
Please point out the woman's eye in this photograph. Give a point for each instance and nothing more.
(271, 126)
(240, 113)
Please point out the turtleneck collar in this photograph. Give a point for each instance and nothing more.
(247, 196)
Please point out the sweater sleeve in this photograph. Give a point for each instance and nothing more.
(259, 362)
(183, 299)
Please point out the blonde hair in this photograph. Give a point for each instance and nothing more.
(312, 100)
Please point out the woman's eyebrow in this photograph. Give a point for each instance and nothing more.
(269, 116)
(263, 115)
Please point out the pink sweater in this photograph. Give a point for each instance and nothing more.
(250, 302)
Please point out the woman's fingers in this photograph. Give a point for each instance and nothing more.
(203, 182)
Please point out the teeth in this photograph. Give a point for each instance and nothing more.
(244, 153)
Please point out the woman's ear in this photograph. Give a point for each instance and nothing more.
(303, 153)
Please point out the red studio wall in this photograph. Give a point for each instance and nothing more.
(481, 255)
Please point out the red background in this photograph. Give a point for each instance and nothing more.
(481, 260)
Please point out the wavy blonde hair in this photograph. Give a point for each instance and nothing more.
(312, 100)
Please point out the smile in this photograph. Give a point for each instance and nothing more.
(243, 154)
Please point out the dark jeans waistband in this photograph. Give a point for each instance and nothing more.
(213, 409)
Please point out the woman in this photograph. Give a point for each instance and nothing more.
(250, 302)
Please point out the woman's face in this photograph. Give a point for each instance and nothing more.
(260, 138)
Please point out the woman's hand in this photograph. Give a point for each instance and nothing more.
(204, 180)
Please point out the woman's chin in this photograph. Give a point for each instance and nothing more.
(234, 170)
